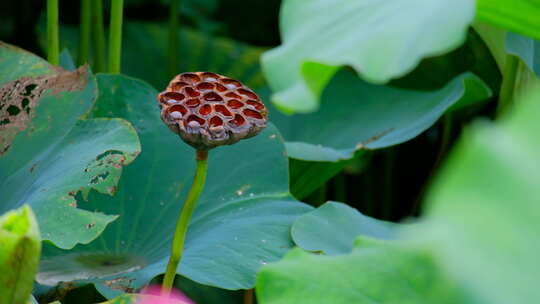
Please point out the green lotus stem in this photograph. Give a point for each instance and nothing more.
(98, 32)
(173, 37)
(388, 182)
(506, 94)
(85, 28)
(53, 54)
(115, 36)
(179, 237)
(340, 187)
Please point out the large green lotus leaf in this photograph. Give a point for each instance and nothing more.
(375, 272)
(526, 48)
(520, 16)
(357, 115)
(333, 227)
(381, 39)
(20, 247)
(241, 222)
(482, 219)
(51, 154)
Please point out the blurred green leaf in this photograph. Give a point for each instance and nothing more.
(241, 222)
(375, 272)
(356, 115)
(520, 16)
(528, 67)
(527, 49)
(32, 300)
(483, 214)
(51, 153)
(381, 40)
(333, 227)
(20, 246)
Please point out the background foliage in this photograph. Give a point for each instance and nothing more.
(399, 165)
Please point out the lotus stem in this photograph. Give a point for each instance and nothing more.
(98, 32)
(115, 36)
(179, 237)
(85, 30)
(53, 54)
(506, 95)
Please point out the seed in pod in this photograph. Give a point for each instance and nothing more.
(209, 110)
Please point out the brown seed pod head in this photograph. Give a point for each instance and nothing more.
(209, 110)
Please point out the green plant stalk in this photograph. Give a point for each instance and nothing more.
(506, 94)
(179, 237)
(85, 28)
(388, 182)
(173, 38)
(340, 187)
(115, 36)
(98, 32)
(53, 54)
(443, 149)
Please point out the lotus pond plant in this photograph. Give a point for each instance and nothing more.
(206, 110)
(399, 163)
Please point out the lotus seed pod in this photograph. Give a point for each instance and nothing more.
(209, 110)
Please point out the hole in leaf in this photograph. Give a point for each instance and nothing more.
(13, 110)
(28, 89)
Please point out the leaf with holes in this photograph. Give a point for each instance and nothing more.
(241, 222)
(50, 153)
(20, 246)
(381, 39)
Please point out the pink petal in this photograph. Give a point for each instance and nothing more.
(155, 297)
